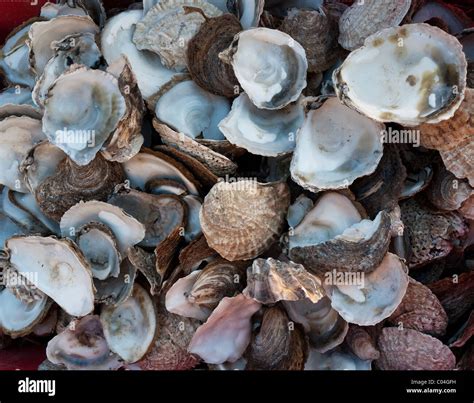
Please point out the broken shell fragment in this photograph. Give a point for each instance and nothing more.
(270, 66)
(277, 346)
(375, 298)
(168, 27)
(226, 334)
(426, 79)
(270, 281)
(335, 146)
(129, 328)
(82, 109)
(83, 346)
(72, 183)
(240, 220)
(409, 349)
(333, 236)
(262, 132)
(368, 17)
(64, 276)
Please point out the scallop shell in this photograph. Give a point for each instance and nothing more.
(270, 281)
(365, 18)
(409, 349)
(240, 220)
(73, 183)
(275, 345)
(204, 65)
(317, 32)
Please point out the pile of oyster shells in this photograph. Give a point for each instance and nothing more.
(226, 185)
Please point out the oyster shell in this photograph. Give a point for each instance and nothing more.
(368, 17)
(168, 27)
(417, 74)
(277, 346)
(270, 281)
(72, 183)
(64, 276)
(18, 135)
(335, 360)
(82, 109)
(342, 146)
(130, 327)
(333, 235)
(324, 326)
(262, 132)
(203, 62)
(43, 34)
(116, 41)
(226, 334)
(361, 343)
(240, 220)
(376, 298)
(270, 66)
(83, 346)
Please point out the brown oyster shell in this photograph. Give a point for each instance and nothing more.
(193, 255)
(204, 65)
(420, 310)
(365, 18)
(240, 220)
(276, 345)
(466, 332)
(346, 255)
(432, 233)
(467, 208)
(217, 280)
(362, 343)
(409, 349)
(317, 32)
(73, 183)
(145, 263)
(270, 281)
(456, 294)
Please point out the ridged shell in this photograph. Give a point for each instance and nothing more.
(361, 343)
(409, 349)
(270, 281)
(276, 346)
(240, 220)
(204, 64)
(368, 17)
(73, 183)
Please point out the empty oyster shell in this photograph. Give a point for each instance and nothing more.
(270, 66)
(130, 327)
(15, 96)
(161, 215)
(343, 146)
(276, 345)
(64, 276)
(227, 332)
(43, 34)
(361, 343)
(18, 135)
(262, 132)
(298, 210)
(324, 326)
(193, 226)
(116, 41)
(420, 310)
(409, 349)
(270, 281)
(73, 49)
(375, 298)
(82, 109)
(200, 111)
(98, 244)
(317, 32)
(72, 183)
(127, 230)
(426, 79)
(333, 235)
(335, 360)
(204, 64)
(83, 346)
(240, 220)
(116, 290)
(93, 8)
(168, 27)
(368, 17)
